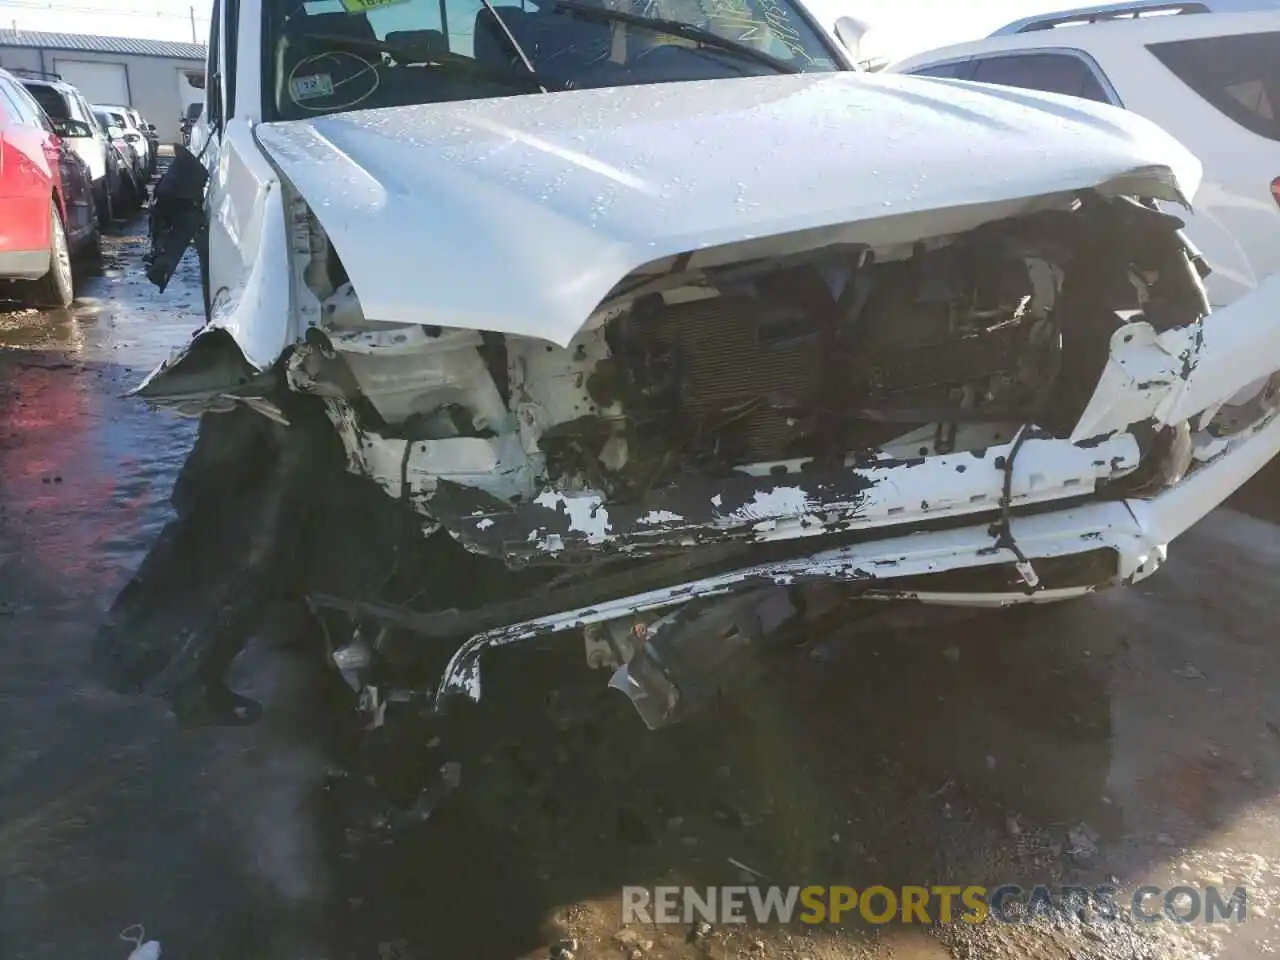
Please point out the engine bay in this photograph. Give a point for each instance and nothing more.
(808, 363)
(767, 368)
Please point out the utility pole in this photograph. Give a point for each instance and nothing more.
(194, 38)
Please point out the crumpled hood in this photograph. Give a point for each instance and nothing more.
(520, 214)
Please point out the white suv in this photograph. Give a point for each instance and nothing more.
(1208, 76)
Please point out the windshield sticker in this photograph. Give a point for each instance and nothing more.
(364, 6)
(308, 88)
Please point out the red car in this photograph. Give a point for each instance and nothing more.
(46, 198)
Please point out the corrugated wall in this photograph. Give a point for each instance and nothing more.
(153, 81)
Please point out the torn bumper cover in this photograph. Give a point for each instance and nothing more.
(1137, 530)
(801, 504)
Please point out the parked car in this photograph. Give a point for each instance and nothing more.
(1204, 71)
(196, 134)
(62, 102)
(148, 131)
(117, 120)
(46, 199)
(189, 118)
(133, 123)
(664, 329)
(126, 118)
(152, 137)
(130, 190)
(122, 158)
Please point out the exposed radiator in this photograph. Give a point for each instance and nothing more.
(741, 362)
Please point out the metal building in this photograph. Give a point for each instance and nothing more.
(153, 76)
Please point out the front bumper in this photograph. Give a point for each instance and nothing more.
(1137, 530)
(1180, 376)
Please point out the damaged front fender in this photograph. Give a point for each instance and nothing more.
(251, 317)
(210, 373)
(1173, 376)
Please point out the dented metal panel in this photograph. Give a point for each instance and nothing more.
(564, 195)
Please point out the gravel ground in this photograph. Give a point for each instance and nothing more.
(1131, 737)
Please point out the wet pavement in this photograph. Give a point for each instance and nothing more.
(108, 815)
(1134, 735)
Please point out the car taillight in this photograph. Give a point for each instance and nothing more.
(1275, 189)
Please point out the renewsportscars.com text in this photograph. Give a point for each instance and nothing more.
(973, 904)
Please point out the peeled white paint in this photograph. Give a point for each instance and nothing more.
(779, 502)
(659, 516)
(586, 515)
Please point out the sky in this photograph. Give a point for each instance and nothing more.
(149, 19)
(901, 27)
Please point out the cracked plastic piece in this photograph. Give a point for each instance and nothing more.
(689, 656)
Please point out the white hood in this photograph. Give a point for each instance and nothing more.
(520, 214)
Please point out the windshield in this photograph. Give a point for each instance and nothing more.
(118, 117)
(331, 55)
(109, 119)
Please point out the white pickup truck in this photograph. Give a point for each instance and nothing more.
(662, 314)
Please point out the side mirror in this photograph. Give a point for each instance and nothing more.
(850, 31)
(72, 128)
(151, 128)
